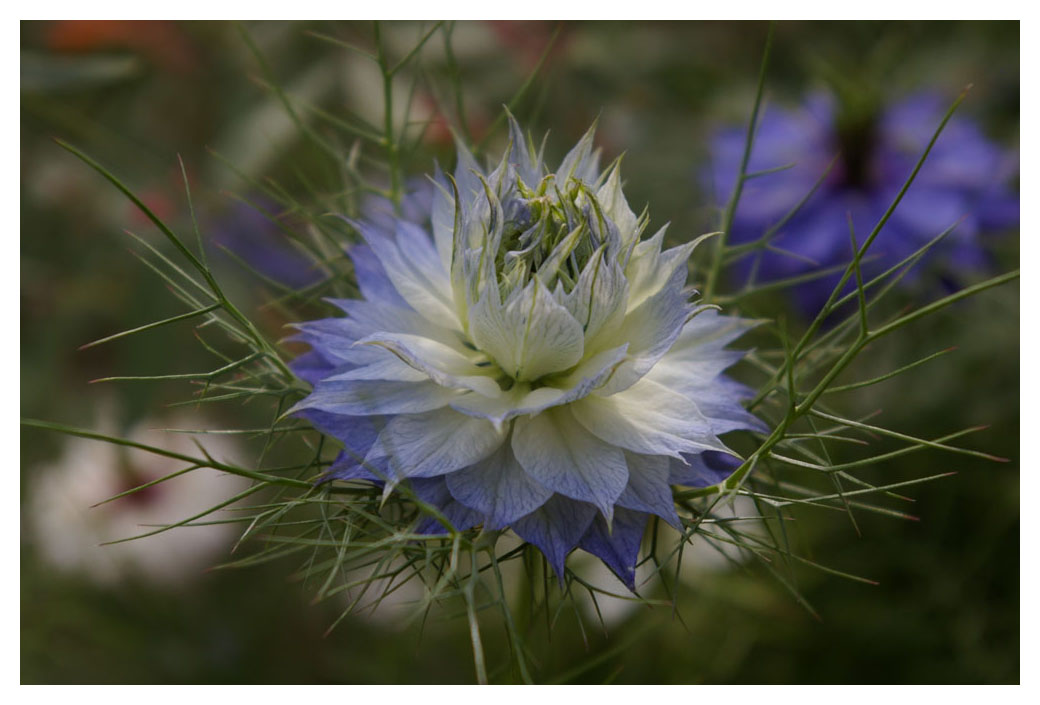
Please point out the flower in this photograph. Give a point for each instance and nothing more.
(965, 176)
(69, 530)
(249, 234)
(535, 364)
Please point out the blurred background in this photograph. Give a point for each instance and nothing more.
(135, 95)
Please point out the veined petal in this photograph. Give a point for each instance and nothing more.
(442, 218)
(650, 330)
(580, 162)
(649, 270)
(556, 528)
(374, 398)
(618, 546)
(648, 489)
(421, 289)
(647, 418)
(435, 443)
(711, 329)
(368, 317)
(388, 367)
(616, 207)
(498, 488)
(441, 363)
(530, 336)
(560, 454)
(598, 300)
(372, 279)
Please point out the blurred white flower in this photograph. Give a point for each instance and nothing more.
(68, 530)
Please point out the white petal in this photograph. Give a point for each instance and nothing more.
(650, 330)
(648, 418)
(530, 336)
(561, 455)
(598, 300)
(442, 364)
(616, 207)
(388, 367)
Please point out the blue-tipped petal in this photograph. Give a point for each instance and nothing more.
(619, 547)
(648, 488)
(556, 528)
(498, 488)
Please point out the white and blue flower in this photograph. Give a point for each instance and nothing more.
(523, 357)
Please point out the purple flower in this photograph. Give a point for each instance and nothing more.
(966, 176)
(524, 358)
(256, 239)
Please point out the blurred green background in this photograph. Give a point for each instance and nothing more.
(135, 95)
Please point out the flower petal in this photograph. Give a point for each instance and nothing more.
(648, 418)
(376, 397)
(434, 443)
(530, 336)
(560, 454)
(618, 547)
(372, 279)
(556, 528)
(598, 300)
(434, 492)
(650, 330)
(441, 363)
(498, 488)
(703, 469)
(648, 488)
(557, 390)
(421, 288)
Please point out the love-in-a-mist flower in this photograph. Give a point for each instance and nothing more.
(528, 360)
(965, 180)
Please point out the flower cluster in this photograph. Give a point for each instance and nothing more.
(965, 180)
(528, 359)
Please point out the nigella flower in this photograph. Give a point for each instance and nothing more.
(965, 177)
(529, 360)
(251, 233)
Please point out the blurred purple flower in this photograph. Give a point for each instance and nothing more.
(966, 176)
(254, 238)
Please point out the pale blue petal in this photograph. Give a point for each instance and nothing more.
(435, 443)
(498, 488)
(530, 336)
(375, 285)
(441, 363)
(555, 450)
(373, 398)
(648, 489)
(423, 290)
(557, 390)
(650, 330)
